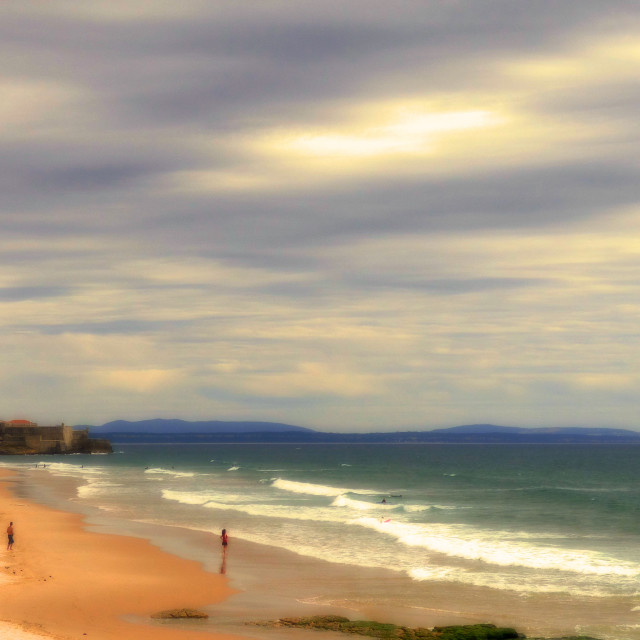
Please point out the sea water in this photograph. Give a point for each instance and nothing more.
(532, 521)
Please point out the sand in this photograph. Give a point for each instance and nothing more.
(76, 573)
(61, 581)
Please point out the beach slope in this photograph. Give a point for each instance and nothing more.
(64, 582)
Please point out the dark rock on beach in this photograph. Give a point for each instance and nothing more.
(171, 614)
(386, 630)
(383, 630)
(475, 632)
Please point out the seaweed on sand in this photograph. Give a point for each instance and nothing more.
(383, 630)
(375, 629)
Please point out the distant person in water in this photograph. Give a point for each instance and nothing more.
(225, 540)
(10, 535)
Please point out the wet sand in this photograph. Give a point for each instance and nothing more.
(62, 581)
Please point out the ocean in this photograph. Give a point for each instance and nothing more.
(547, 533)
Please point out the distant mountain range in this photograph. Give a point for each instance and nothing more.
(159, 425)
(183, 431)
(561, 431)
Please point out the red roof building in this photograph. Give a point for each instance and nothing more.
(22, 423)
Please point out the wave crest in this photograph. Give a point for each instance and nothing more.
(317, 489)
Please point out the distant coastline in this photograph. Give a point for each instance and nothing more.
(180, 431)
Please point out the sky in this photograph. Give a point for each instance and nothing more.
(362, 215)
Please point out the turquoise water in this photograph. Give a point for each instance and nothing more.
(529, 520)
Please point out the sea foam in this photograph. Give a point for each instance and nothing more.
(500, 548)
(317, 489)
(360, 505)
(170, 472)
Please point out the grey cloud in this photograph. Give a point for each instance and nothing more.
(89, 177)
(535, 198)
(316, 289)
(214, 65)
(112, 327)
(605, 101)
(21, 294)
(255, 230)
(140, 99)
(194, 330)
(262, 403)
(446, 286)
(36, 170)
(370, 280)
(521, 199)
(223, 72)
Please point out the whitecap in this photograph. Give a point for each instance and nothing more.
(170, 472)
(360, 505)
(502, 548)
(317, 489)
(186, 497)
(95, 488)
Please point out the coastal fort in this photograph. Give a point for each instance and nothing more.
(22, 437)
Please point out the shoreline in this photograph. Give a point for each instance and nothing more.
(63, 581)
(266, 582)
(272, 582)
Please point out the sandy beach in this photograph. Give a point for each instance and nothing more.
(72, 576)
(61, 581)
(77, 570)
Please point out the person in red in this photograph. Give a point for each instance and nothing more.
(225, 540)
(10, 535)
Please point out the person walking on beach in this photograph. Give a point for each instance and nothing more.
(225, 541)
(10, 536)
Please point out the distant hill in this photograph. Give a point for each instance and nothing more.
(159, 425)
(560, 431)
(183, 431)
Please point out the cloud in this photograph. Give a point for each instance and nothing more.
(20, 294)
(334, 213)
(138, 380)
(308, 379)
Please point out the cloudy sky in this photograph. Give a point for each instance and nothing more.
(349, 215)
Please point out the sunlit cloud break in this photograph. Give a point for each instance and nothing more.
(406, 133)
